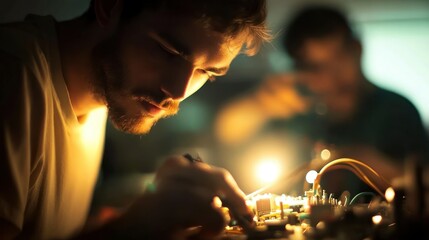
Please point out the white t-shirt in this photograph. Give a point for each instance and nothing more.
(49, 162)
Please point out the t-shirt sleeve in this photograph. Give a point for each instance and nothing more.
(20, 133)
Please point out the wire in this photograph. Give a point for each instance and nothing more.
(358, 172)
(355, 165)
(359, 195)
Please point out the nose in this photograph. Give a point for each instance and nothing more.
(176, 83)
(318, 84)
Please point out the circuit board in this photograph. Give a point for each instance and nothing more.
(395, 212)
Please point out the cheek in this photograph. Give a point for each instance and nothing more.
(350, 74)
(141, 63)
(140, 68)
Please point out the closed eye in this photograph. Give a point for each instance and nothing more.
(169, 49)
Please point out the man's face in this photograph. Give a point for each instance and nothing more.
(152, 63)
(329, 70)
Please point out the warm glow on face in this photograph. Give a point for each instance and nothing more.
(268, 170)
(310, 176)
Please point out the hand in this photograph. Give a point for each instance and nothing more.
(278, 97)
(182, 203)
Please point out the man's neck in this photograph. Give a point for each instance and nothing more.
(76, 40)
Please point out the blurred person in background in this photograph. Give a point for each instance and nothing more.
(132, 61)
(327, 102)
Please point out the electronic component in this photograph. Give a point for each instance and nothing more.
(396, 211)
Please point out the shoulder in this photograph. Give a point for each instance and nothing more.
(24, 43)
(19, 80)
(24, 79)
(399, 118)
(24, 65)
(395, 104)
(23, 100)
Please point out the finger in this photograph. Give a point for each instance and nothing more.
(213, 225)
(181, 205)
(193, 207)
(223, 185)
(175, 164)
(172, 162)
(217, 180)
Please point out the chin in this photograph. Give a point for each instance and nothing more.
(133, 125)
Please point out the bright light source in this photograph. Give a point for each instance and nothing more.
(311, 176)
(325, 154)
(268, 170)
(376, 219)
(389, 194)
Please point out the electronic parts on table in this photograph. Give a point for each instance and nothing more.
(396, 212)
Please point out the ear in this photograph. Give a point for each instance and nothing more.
(107, 12)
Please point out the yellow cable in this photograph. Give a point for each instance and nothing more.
(358, 172)
(351, 163)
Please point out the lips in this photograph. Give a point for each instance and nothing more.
(147, 102)
(150, 108)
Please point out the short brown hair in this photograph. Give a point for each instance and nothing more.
(315, 22)
(233, 18)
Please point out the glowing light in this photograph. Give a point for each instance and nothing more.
(311, 176)
(268, 170)
(376, 219)
(217, 203)
(325, 154)
(91, 128)
(389, 194)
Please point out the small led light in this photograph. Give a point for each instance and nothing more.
(389, 194)
(376, 219)
(325, 154)
(311, 176)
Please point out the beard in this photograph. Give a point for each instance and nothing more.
(124, 103)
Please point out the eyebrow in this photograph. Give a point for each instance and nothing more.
(185, 52)
(176, 44)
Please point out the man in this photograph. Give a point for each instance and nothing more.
(134, 61)
(328, 103)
